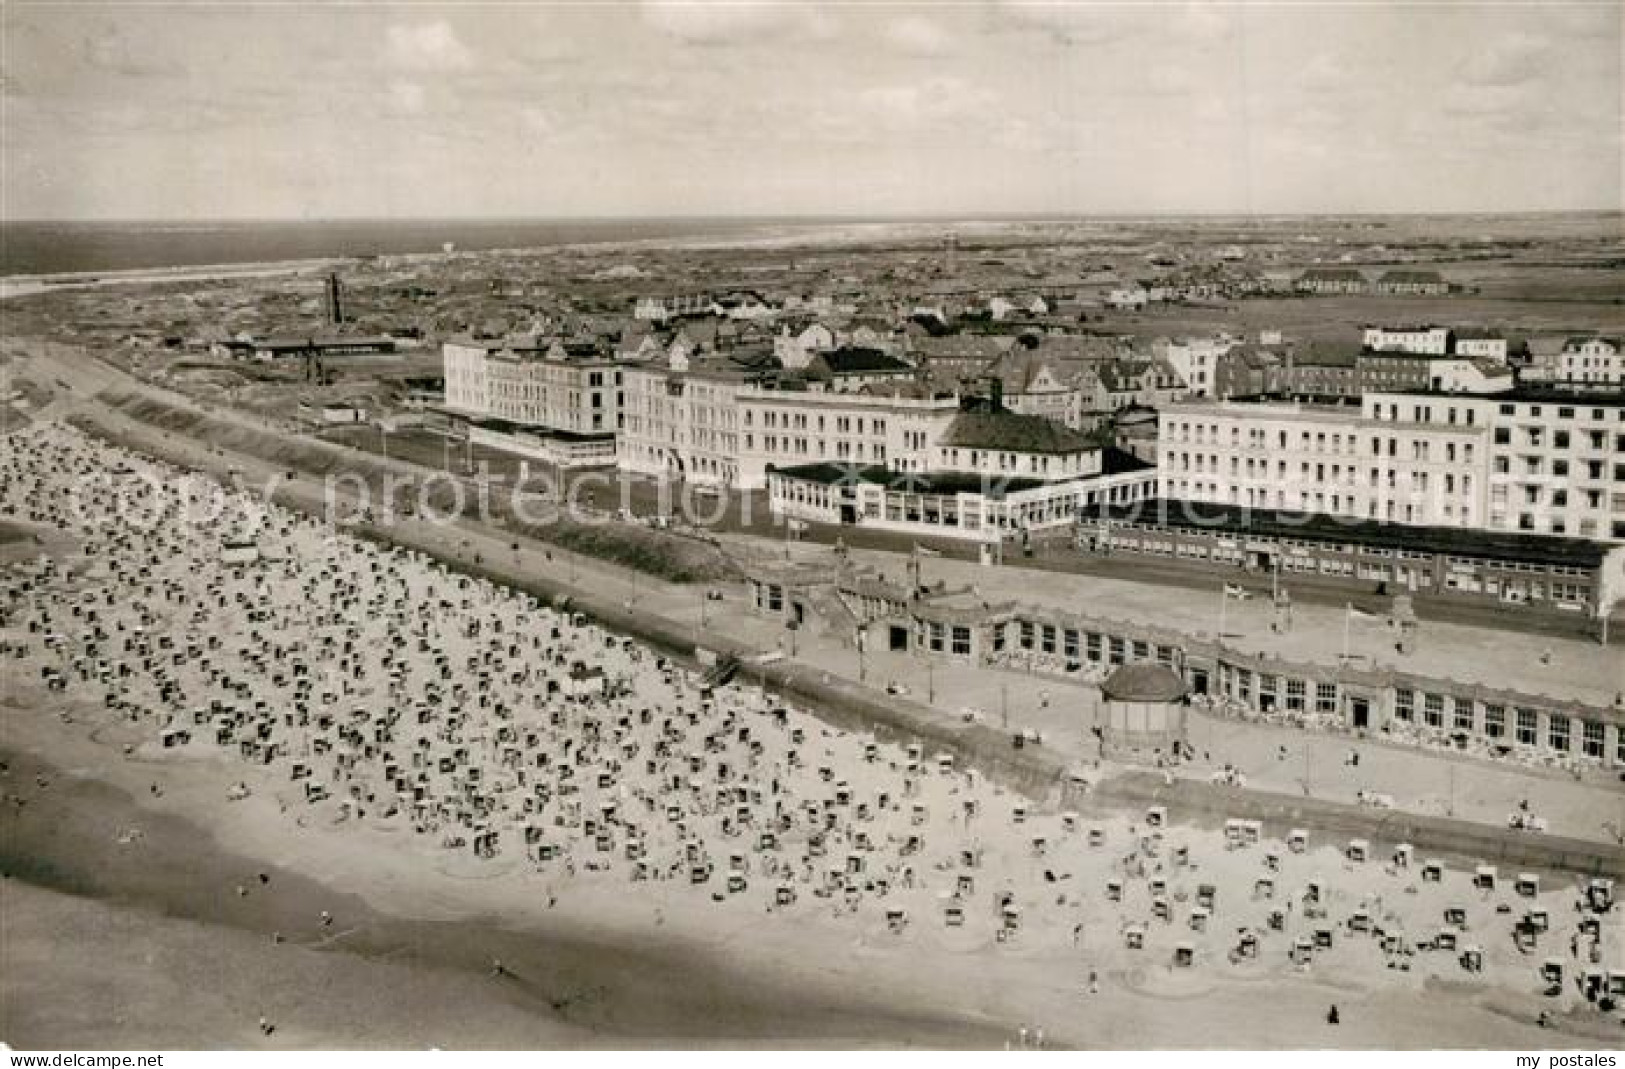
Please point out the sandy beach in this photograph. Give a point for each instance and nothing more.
(862, 952)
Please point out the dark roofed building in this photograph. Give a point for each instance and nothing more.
(1009, 432)
(1411, 283)
(1332, 280)
(852, 368)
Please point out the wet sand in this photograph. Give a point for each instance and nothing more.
(565, 992)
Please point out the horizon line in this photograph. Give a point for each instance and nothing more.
(812, 218)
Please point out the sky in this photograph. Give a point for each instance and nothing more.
(317, 110)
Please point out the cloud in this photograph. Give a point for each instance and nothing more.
(430, 46)
(928, 103)
(733, 22)
(1070, 24)
(536, 120)
(1510, 61)
(109, 50)
(919, 37)
(1165, 79)
(406, 98)
(1323, 75)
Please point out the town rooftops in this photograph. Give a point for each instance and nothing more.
(1216, 518)
(1013, 433)
(1411, 275)
(1089, 347)
(987, 347)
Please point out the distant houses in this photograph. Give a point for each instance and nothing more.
(1350, 281)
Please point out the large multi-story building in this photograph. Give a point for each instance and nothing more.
(552, 386)
(683, 424)
(1526, 461)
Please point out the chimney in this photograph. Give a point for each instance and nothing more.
(335, 300)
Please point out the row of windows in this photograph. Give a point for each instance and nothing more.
(1455, 714)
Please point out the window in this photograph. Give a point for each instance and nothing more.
(1026, 634)
(1294, 695)
(1462, 714)
(1495, 721)
(935, 631)
(1048, 643)
(1325, 697)
(1093, 646)
(1069, 644)
(1115, 647)
(1528, 723)
(1591, 738)
(961, 640)
(1404, 704)
(1433, 710)
(1557, 733)
(1266, 691)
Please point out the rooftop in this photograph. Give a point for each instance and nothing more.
(1014, 433)
(1143, 683)
(1115, 461)
(856, 361)
(1554, 395)
(948, 482)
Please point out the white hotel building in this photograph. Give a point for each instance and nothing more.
(1522, 461)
